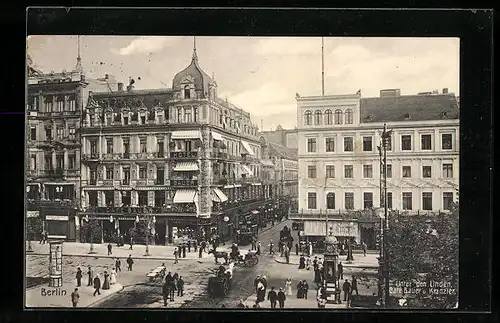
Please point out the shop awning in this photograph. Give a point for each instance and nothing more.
(186, 134)
(247, 147)
(186, 167)
(184, 196)
(217, 136)
(246, 170)
(220, 195)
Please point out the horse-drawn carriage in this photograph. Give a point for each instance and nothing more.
(249, 259)
(220, 283)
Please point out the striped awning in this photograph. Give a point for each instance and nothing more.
(186, 134)
(184, 196)
(246, 170)
(220, 195)
(247, 147)
(217, 136)
(186, 167)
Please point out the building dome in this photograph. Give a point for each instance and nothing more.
(192, 74)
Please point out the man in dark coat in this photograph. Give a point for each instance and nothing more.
(131, 243)
(166, 292)
(189, 245)
(78, 277)
(354, 285)
(195, 245)
(183, 250)
(130, 262)
(75, 297)
(305, 288)
(110, 249)
(91, 275)
(255, 282)
(340, 270)
(180, 287)
(200, 252)
(346, 287)
(296, 249)
(281, 298)
(258, 249)
(118, 265)
(272, 297)
(97, 285)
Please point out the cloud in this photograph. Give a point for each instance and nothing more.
(147, 45)
(288, 46)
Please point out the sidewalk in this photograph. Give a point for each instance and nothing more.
(294, 302)
(39, 296)
(370, 261)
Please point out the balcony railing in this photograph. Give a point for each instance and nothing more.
(93, 181)
(52, 203)
(219, 155)
(175, 208)
(125, 181)
(90, 156)
(126, 155)
(160, 154)
(184, 154)
(184, 182)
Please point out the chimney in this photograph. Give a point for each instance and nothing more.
(445, 90)
(120, 86)
(130, 88)
(106, 76)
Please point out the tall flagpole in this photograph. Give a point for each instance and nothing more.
(322, 66)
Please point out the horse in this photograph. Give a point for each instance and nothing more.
(219, 254)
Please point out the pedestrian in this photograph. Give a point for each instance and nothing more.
(308, 263)
(130, 262)
(184, 250)
(180, 287)
(118, 265)
(321, 297)
(300, 290)
(75, 297)
(200, 253)
(131, 243)
(340, 270)
(256, 282)
(254, 244)
(112, 277)
(287, 255)
(110, 248)
(91, 274)
(288, 287)
(105, 284)
(315, 262)
(354, 285)
(272, 297)
(302, 262)
(280, 248)
(78, 277)
(189, 245)
(259, 247)
(281, 298)
(42, 238)
(264, 283)
(166, 292)
(321, 272)
(310, 249)
(261, 292)
(346, 287)
(305, 288)
(317, 275)
(97, 285)
(176, 255)
(271, 246)
(203, 246)
(363, 245)
(297, 249)
(172, 289)
(168, 278)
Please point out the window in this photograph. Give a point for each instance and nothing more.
(348, 144)
(109, 198)
(427, 201)
(311, 171)
(188, 117)
(446, 141)
(367, 171)
(367, 144)
(60, 133)
(161, 149)
(311, 145)
(448, 170)
(33, 133)
(109, 145)
(330, 145)
(330, 171)
(407, 203)
(447, 200)
(71, 103)
(330, 201)
(48, 162)
(195, 114)
(93, 147)
(72, 133)
(349, 201)
(91, 120)
(367, 200)
(160, 176)
(93, 177)
(143, 198)
(389, 171)
(33, 103)
(406, 142)
(328, 117)
(33, 162)
(348, 171)
(60, 162)
(142, 172)
(126, 177)
(109, 172)
(348, 116)
(187, 92)
(407, 171)
(311, 201)
(48, 133)
(71, 162)
(389, 200)
(308, 118)
(389, 143)
(125, 121)
(426, 142)
(159, 198)
(338, 116)
(426, 172)
(143, 146)
(179, 115)
(317, 117)
(48, 104)
(143, 119)
(60, 103)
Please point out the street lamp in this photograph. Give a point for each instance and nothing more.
(386, 135)
(29, 238)
(350, 258)
(86, 218)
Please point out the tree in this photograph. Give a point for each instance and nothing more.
(425, 249)
(91, 230)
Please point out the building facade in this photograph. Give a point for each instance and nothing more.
(283, 137)
(190, 157)
(340, 163)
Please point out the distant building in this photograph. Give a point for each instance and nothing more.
(283, 137)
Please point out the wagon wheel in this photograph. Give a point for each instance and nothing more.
(252, 261)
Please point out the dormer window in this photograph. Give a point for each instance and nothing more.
(187, 92)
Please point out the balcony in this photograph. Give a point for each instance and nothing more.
(91, 156)
(93, 181)
(137, 210)
(125, 181)
(184, 182)
(160, 154)
(126, 155)
(51, 203)
(183, 154)
(218, 155)
(160, 182)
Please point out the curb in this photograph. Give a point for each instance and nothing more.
(105, 298)
(344, 264)
(114, 256)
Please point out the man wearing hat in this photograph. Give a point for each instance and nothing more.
(256, 282)
(281, 298)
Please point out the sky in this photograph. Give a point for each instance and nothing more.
(263, 74)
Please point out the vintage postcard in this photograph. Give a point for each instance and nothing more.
(242, 172)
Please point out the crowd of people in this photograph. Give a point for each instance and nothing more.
(174, 284)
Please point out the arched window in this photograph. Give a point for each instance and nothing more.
(330, 201)
(338, 116)
(317, 117)
(348, 116)
(328, 117)
(308, 118)
(187, 92)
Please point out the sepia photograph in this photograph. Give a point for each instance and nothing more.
(249, 172)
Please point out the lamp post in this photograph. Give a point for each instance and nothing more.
(386, 135)
(111, 219)
(86, 218)
(350, 258)
(30, 249)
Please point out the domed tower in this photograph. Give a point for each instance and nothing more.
(192, 82)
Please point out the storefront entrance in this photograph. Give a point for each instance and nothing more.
(368, 235)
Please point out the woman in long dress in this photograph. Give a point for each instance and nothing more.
(105, 285)
(302, 262)
(288, 287)
(300, 290)
(112, 277)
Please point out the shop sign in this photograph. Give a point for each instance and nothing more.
(56, 218)
(32, 214)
